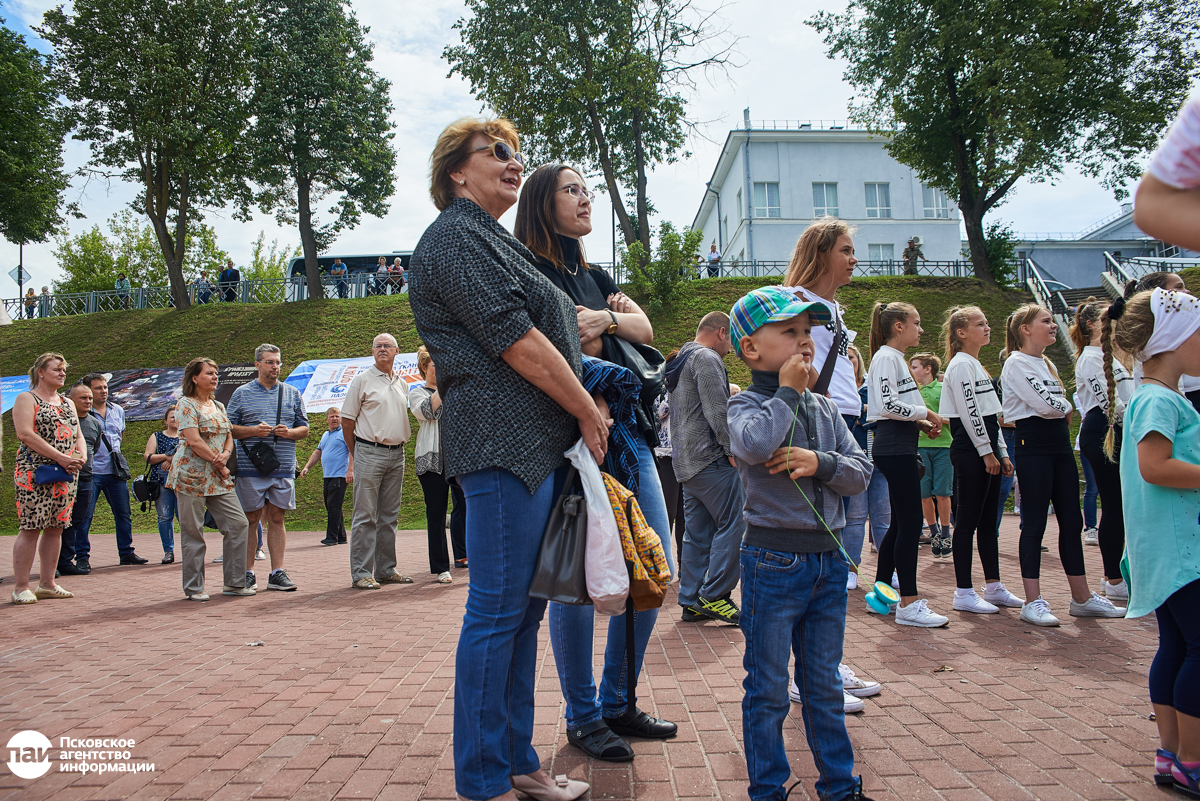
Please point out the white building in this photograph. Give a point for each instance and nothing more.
(774, 177)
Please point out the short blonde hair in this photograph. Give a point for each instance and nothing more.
(423, 360)
(40, 363)
(453, 148)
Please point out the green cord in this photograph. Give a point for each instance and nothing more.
(787, 466)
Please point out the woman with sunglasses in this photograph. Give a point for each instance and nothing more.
(506, 344)
(555, 212)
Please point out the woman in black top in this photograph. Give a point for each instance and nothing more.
(507, 349)
(554, 212)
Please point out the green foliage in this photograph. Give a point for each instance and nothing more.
(32, 127)
(661, 283)
(596, 83)
(322, 122)
(268, 265)
(1001, 246)
(159, 90)
(975, 96)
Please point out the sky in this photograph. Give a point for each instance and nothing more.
(782, 74)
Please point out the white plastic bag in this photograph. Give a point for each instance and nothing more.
(604, 561)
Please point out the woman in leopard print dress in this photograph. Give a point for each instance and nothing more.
(49, 432)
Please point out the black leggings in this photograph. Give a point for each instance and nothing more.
(898, 550)
(434, 486)
(1175, 672)
(1108, 481)
(1049, 478)
(978, 504)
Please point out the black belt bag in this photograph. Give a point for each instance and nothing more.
(262, 455)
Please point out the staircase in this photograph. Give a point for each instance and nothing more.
(1073, 297)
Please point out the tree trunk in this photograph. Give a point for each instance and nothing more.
(973, 222)
(643, 212)
(610, 177)
(157, 209)
(308, 240)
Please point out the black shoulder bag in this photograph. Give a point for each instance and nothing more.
(262, 455)
(118, 458)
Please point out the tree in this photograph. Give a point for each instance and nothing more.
(268, 265)
(32, 128)
(160, 90)
(596, 83)
(322, 122)
(660, 283)
(975, 96)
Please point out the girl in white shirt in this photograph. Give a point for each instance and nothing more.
(1093, 381)
(1034, 400)
(894, 402)
(979, 457)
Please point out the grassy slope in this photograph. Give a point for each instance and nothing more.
(337, 329)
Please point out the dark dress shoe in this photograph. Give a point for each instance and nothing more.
(328, 541)
(133, 559)
(341, 541)
(68, 569)
(636, 723)
(168, 557)
(84, 566)
(598, 741)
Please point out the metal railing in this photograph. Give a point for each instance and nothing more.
(1135, 267)
(805, 125)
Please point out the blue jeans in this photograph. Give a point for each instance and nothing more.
(1090, 493)
(873, 504)
(168, 512)
(116, 492)
(571, 626)
(1006, 483)
(77, 533)
(804, 595)
(496, 659)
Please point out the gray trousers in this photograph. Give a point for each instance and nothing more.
(234, 529)
(378, 484)
(713, 501)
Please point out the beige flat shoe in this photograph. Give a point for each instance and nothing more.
(52, 592)
(24, 597)
(396, 577)
(445, 578)
(563, 789)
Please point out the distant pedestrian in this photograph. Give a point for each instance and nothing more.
(375, 417)
(337, 468)
(714, 261)
(911, 254)
(45, 303)
(426, 404)
(121, 285)
(396, 274)
(228, 281)
(204, 288)
(50, 438)
(30, 303)
(338, 272)
(382, 274)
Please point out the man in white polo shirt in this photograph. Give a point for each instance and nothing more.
(375, 427)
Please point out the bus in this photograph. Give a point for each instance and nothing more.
(361, 269)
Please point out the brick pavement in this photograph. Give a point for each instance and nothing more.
(350, 695)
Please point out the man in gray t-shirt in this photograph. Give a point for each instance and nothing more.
(75, 536)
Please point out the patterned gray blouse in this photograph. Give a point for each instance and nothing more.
(474, 292)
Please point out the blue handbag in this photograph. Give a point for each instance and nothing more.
(52, 474)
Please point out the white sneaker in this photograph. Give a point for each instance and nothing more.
(851, 704)
(919, 614)
(794, 692)
(853, 685)
(1000, 596)
(1096, 606)
(1038, 613)
(219, 559)
(971, 602)
(1091, 536)
(852, 581)
(1115, 592)
(259, 555)
(895, 580)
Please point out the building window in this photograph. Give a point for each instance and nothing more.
(880, 252)
(741, 214)
(766, 200)
(937, 207)
(879, 201)
(825, 200)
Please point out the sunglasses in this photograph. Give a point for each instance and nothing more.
(503, 152)
(575, 190)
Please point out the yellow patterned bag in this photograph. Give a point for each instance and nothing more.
(641, 546)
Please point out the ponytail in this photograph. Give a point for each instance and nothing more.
(1106, 326)
(1021, 316)
(956, 320)
(1080, 331)
(883, 322)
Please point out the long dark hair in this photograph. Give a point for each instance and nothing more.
(534, 226)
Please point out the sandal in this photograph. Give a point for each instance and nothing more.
(598, 741)
(564, 789)
(24, 597)
(54, 591)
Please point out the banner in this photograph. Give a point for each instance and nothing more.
(11, 387)
(146, 393)
(326, 383)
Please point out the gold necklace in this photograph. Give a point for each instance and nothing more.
(573, 272)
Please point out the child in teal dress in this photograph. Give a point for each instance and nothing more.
(1160, 486)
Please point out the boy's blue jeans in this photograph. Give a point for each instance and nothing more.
(804, 594)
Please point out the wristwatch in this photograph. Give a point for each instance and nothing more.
(612, 329)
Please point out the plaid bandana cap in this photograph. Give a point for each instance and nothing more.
(770, 304)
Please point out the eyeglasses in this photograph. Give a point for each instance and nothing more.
(384, 346)
(575, 190)
(503, 152)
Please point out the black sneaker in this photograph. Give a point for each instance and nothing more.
(84, 565)
(947, 546)
(251, 582)
(857, 794)
(329, 541)
(720, 609)
(935, 546)
(691, 615)
(279, 581)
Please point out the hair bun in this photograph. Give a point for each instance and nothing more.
(1116, 309)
